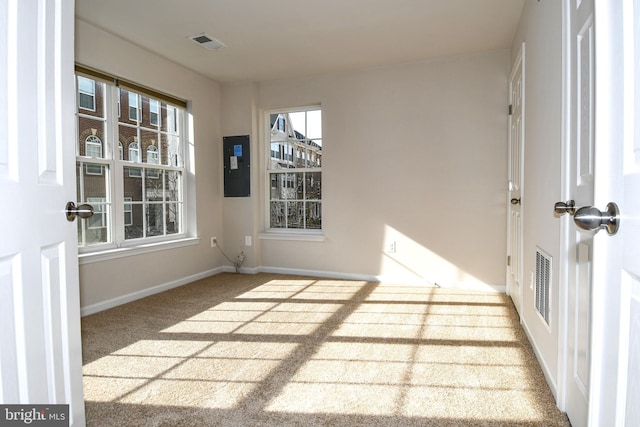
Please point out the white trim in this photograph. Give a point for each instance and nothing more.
(551, 381)
(133, 296)
(498, 288)
(114, 302)
(115, 253)
(285, 234)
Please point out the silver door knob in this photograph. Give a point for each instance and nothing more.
(590, 218)
(83, 211)
(565, 207)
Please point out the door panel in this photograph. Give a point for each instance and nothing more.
(40, 361)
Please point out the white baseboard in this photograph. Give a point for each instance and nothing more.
(413, 280)
(551, 381)
(105, 305)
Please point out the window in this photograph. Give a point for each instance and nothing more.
(154, 112)
(134, 156)
(294, 170)
(86, 94)
(128, 211)
(133, 107)
(153, 158)
(93, 148)
(132, 173)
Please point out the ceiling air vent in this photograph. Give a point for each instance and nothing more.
(207, 42)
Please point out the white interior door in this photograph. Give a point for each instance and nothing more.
(615, 371)
(575, 309)
(602, 370)
(41, 359)
(516, 162)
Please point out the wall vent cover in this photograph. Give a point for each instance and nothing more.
(207, 42)
(543, 284)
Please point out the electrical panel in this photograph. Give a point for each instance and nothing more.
(237, 166)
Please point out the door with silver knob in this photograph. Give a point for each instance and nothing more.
(40, 342)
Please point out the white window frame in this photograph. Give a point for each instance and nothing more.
(116, 207)
(310, 234)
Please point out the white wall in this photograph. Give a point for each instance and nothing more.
(414, 153)
(107, 280)
(541, 29)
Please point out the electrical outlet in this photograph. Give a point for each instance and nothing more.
(247, 241)
(214, 242)
(391, 247)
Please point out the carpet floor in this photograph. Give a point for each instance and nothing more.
(273, 350)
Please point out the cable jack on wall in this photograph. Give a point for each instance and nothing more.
(239, 259)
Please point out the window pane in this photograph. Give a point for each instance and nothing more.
(278, 215)
(298, 121)
(96, 228)
(170, 150)
(172, 186)
(313, 213)
(153, 185)
(295, 215)
(173, 213)
(133, 183)
(314, 124)
(312, 185)
(298, 186)
(134, 231)
(149, 142)
(154, 214)
(278, 186)
(89, 129)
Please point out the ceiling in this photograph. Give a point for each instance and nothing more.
(271, 39)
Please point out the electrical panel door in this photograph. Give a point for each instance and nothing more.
(237, 166)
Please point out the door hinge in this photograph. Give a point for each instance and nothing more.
(509, 261)
(510, 109)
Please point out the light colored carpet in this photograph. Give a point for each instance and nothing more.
(271, 350)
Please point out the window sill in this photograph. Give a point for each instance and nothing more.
(315, 236)
(115, 253)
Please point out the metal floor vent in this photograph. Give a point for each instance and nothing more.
(543, 284)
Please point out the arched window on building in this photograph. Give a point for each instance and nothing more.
(134, 156)
(93, 148)
(153, 157)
